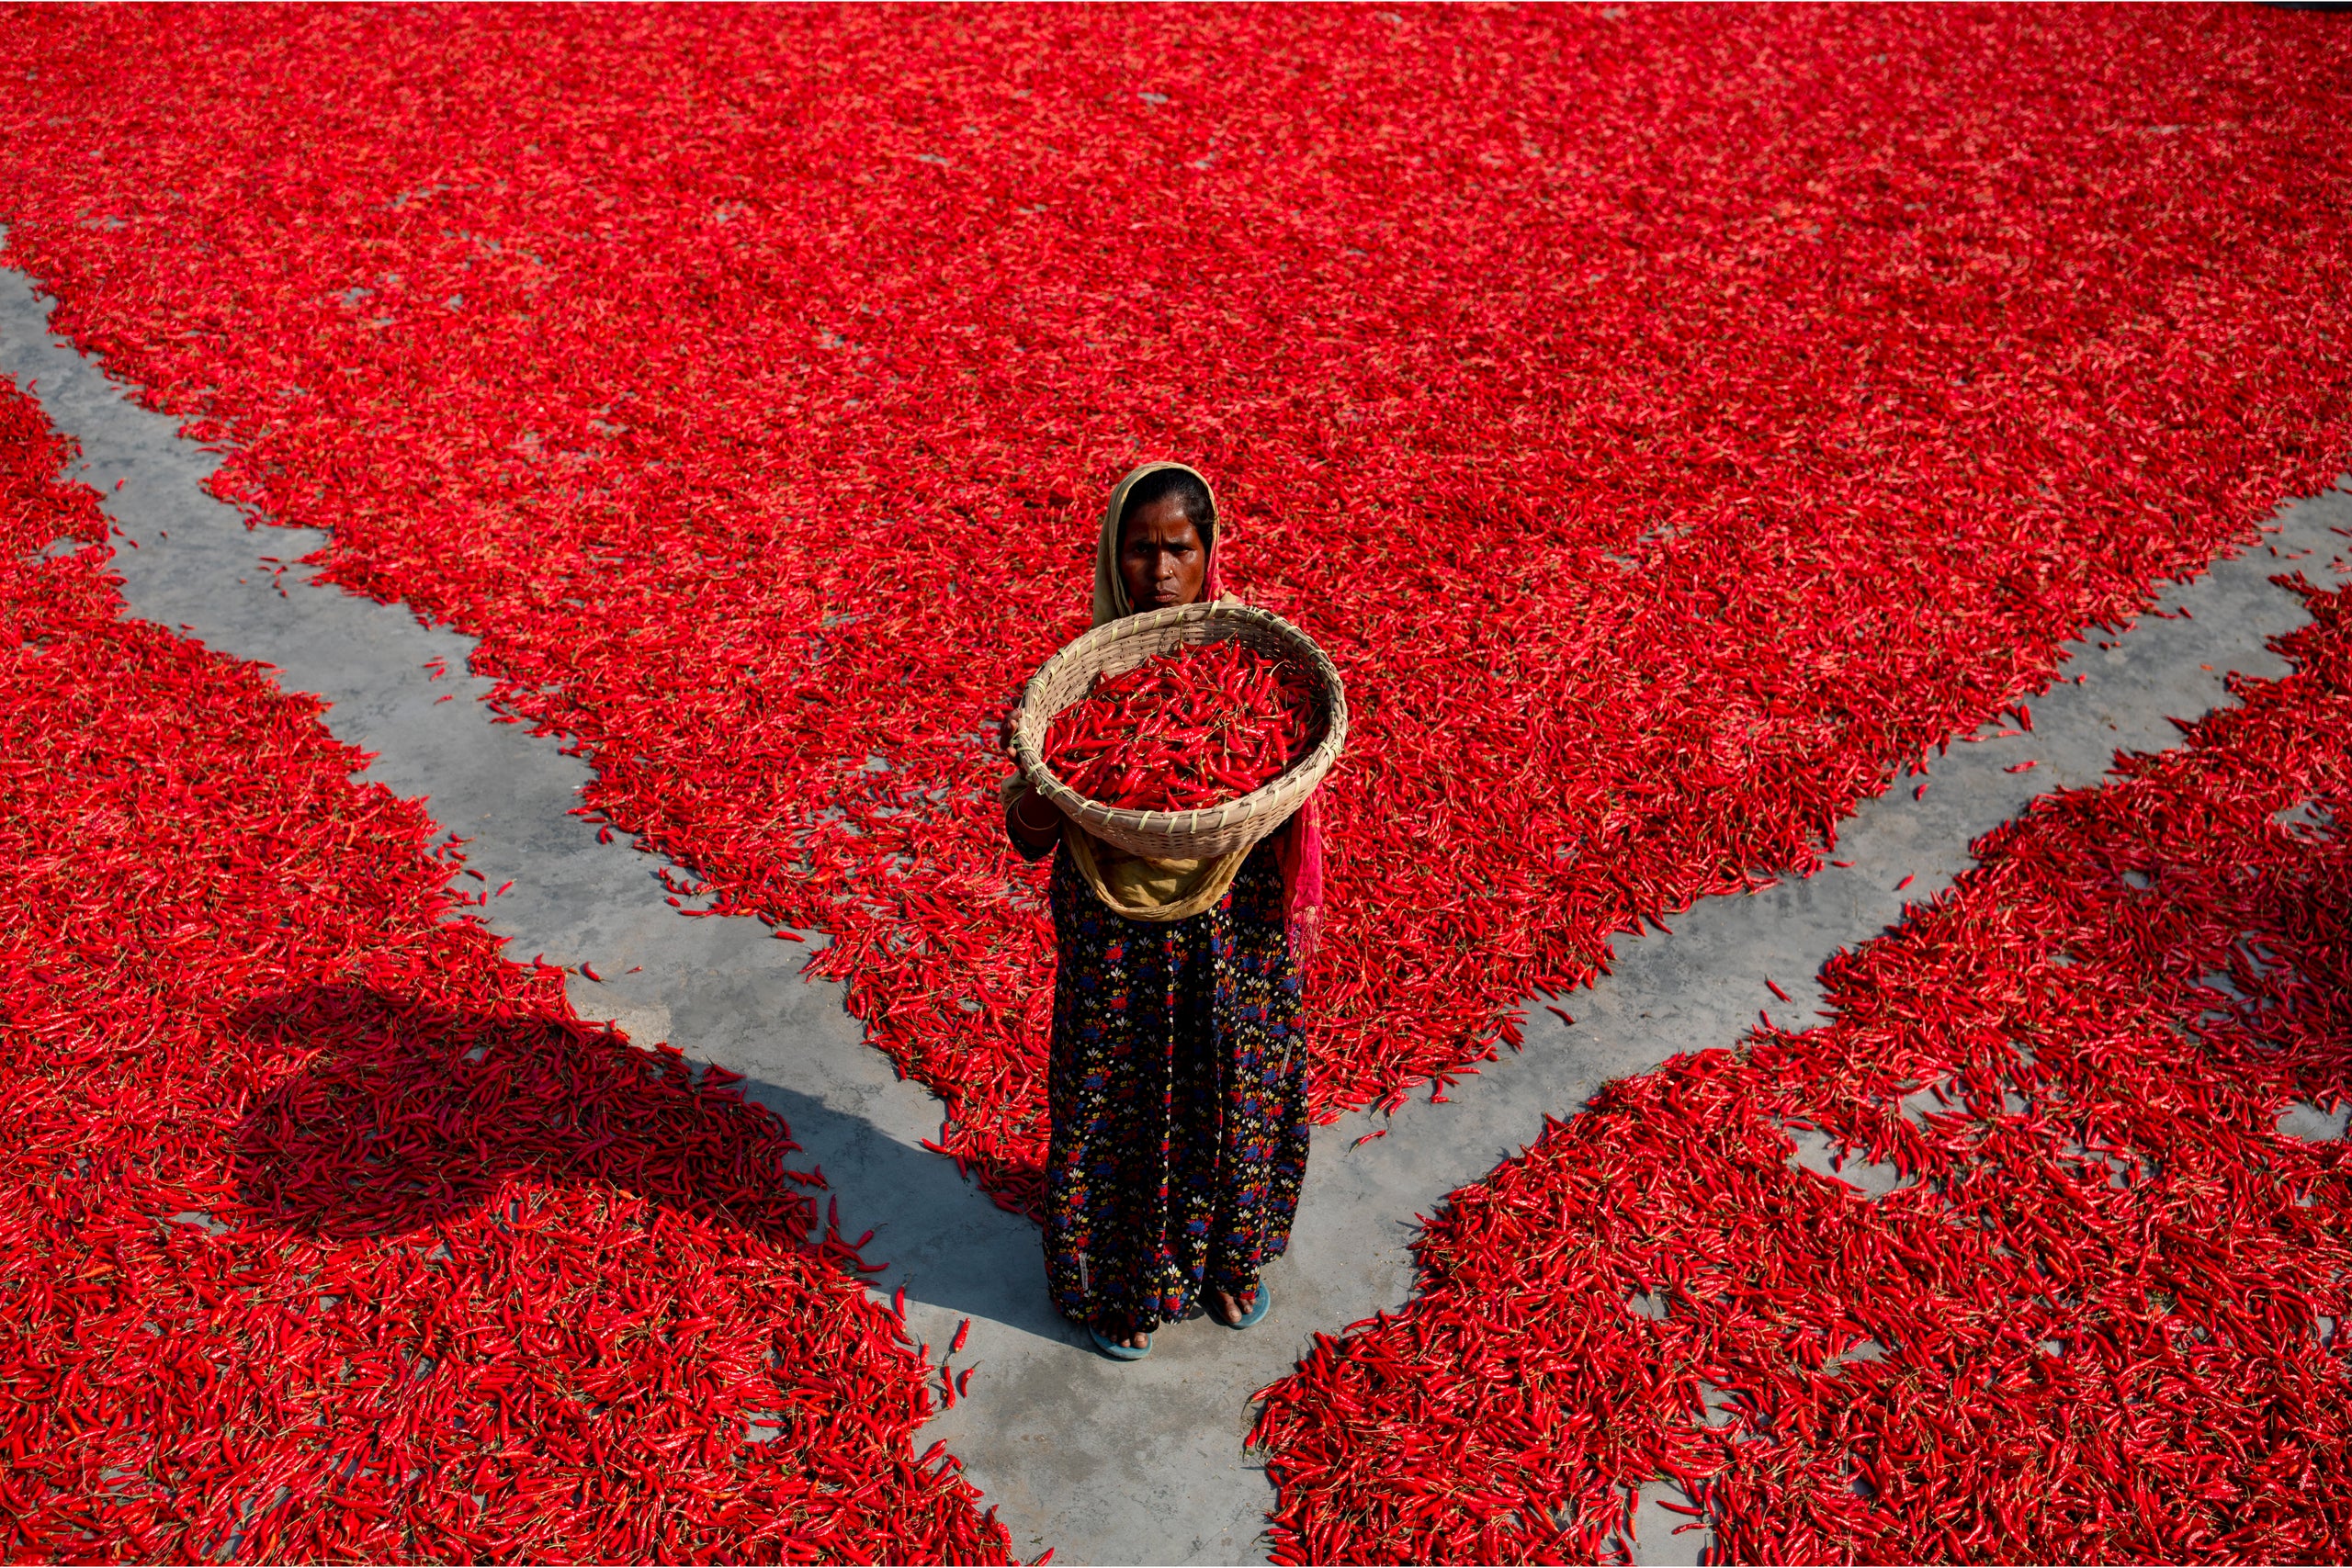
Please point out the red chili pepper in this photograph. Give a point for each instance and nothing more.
(1587, 688)
(503, 1284)
(1185, 730)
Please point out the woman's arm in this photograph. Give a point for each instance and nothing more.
(1033, 823)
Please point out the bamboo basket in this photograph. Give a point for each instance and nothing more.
(1121, 645)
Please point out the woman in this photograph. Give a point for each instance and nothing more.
(1177, 1086)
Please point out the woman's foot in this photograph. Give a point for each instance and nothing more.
(1125, 1335)
(1232, 1306)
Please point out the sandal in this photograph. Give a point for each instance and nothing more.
(1258, 1308)
(1115, 1350)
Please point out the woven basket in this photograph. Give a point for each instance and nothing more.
(1122, 645)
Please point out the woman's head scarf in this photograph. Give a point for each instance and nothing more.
(1300, 846)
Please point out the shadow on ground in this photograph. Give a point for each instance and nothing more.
(403, 1116)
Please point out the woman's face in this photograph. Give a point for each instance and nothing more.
(1161, 560)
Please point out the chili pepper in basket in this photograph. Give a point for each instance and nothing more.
(1189, 728)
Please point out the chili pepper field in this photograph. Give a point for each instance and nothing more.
(1675, 423)
(1749, 403)
(2074, 1294)
(330, 1235)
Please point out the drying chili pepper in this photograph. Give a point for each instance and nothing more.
(1568, 702)
(2115, 1248)
(329, 1234)
(772, 602)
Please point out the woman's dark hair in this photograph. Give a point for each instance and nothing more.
(1159, 485)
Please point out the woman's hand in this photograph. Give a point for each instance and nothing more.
(1033, 823)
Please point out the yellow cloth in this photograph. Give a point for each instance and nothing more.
(1137, 889)
(1129, 886)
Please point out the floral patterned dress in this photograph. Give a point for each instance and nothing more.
(1178, 1100)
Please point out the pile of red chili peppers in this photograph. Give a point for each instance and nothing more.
(2094, 1313)
(328, 1235)
(1670, 421)
(1192, 728)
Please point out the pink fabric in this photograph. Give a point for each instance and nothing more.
(1301, 852)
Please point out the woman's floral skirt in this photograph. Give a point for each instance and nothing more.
(1178, 1100)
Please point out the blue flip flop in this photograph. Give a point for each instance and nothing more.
(1117, 1351)
(1258, 1308)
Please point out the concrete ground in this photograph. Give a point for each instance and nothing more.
(1103, 1462)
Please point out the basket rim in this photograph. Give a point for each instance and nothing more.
(1278, 798)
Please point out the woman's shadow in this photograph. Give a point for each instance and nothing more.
(402, 1116)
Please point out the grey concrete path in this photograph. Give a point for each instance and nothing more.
(1106, 1463)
